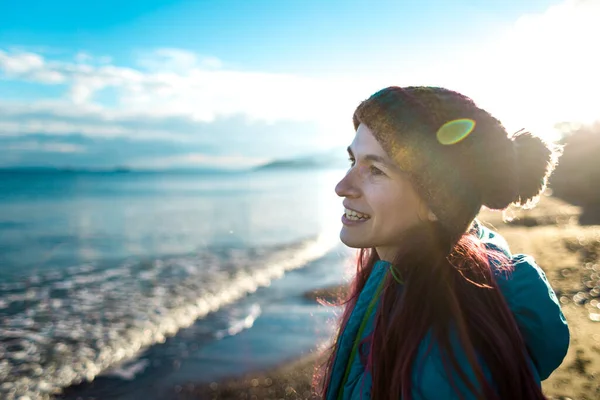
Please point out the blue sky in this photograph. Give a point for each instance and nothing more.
(160, 84)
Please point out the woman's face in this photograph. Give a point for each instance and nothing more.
(381, 194)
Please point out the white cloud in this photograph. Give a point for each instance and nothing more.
(541, 71)
(30, 67)
(20, 64)
(63, 121)
(60, 118)
(52, 127)
(46, 147)
(83, 57)
(200, 160)
(181, 83)
(176, 60)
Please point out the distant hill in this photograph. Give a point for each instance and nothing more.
(331, 159)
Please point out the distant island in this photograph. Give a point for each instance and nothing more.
(331, 159)
(290, 164)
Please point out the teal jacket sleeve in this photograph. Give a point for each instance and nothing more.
(537, 313)
(534, 305)
(539, 318)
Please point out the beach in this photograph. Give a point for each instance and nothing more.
(169, 286)
(568, 253)
(289, 381)
(123, 286)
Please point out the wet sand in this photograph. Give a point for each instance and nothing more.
(291, 380)
(567, 252)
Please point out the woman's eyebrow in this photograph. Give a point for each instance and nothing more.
(373, 157)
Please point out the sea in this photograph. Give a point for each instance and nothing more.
(138, 285)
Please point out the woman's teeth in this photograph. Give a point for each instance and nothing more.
(355, 216)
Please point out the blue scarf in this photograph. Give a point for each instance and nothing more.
(359, 325)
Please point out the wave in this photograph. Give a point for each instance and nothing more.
(239, 324)
(66, 327)
(129, 370)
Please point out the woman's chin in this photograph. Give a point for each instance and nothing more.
(352, 242)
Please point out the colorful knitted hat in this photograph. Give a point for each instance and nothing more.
(457, 155)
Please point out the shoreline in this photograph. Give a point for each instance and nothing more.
(266, 356)
(290, 380)
(568, 253)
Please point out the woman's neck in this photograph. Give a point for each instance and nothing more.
(386, 253)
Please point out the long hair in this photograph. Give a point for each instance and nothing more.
(449, 289)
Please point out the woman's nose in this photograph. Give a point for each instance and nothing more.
(346, 187)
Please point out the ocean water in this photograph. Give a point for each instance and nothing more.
(141, 282)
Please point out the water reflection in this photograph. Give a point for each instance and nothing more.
(98, 216)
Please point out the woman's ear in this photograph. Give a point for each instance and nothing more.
(425, 213)
(431, 216)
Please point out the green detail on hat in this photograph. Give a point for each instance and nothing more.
(454, 131)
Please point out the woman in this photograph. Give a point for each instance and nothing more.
(439, 308)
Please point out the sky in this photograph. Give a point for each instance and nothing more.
(158, 84)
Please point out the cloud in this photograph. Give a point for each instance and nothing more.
(88, 152)
(121, 138)
(176, 60)
(257, 112)
(177, 82)
(30, 67)
(84, 152)
(83, 57)
(54, 127)
(540, 71)
(234, 132)
(45, 147)
(20, 64)
(200, 160)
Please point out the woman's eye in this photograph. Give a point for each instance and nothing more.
(351, 161)
(376, 171)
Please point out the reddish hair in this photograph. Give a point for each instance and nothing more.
(449, 288)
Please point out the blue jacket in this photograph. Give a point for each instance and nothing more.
(530, 298)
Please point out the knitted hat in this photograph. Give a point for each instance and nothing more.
(457, 155)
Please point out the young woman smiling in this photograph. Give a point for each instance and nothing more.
(439, 308)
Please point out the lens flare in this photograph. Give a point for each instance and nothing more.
(454, 131)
